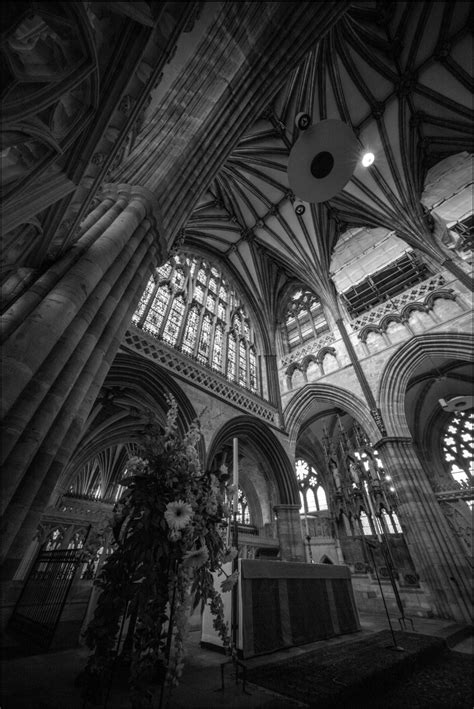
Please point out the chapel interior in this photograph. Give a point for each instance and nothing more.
(152, 245)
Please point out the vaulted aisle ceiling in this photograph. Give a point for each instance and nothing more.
(398, 74)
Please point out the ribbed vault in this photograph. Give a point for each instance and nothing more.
(404, 91)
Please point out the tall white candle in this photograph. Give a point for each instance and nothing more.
(235, 467)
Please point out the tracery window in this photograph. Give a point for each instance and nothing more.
(173, 322)
(217, 351)
(312, 493)
(191, 306)
(190, 332)
(157, 311)
(458, 446)
(305, 318)
(243, 514)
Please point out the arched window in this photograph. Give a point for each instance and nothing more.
(243, 514)
(190, 305)
(204, 339)
(458, 446)
(311, 489)
(305, 319)
(175, 317)
(217, 350)
(231, 347)
(190, 331)
(242, 364)
(157, 311)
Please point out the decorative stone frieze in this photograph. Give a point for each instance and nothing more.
(192, 371)
(313, 347)
(420, 296)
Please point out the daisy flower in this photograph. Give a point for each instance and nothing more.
(178, 514)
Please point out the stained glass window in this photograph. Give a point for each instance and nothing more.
(210, 303)
(178, 279)
(223, 294)
(221, 310)
(252, 369)
(218, 344)
(242, 364)
(165, 313)
(305, 318)
(212, 285)
(164, 271)
(199, 293)
(204, 339)
(190, 332)
(231, 357)
(458, 445)
(157, 311)
(312, 492)
(171, 330)
(243, 514)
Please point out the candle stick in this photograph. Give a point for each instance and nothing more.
(235, 471)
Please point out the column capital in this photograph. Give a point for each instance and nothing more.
(135, 192)
(148, 202)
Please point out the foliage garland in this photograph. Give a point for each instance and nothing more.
(168, 541)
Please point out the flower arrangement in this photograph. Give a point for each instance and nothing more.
(168, 540)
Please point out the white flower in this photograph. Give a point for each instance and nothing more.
(196, 558)
(178, 514)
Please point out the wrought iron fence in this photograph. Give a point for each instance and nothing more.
(44, 594)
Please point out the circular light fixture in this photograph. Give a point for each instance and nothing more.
(368, 159)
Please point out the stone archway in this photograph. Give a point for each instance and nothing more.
(404, 363)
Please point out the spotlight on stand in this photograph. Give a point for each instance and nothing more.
(322, 160)
(367, 159)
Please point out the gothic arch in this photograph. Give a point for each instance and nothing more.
(134, 390)
(260, 438)
(404, 362)
(301, 405)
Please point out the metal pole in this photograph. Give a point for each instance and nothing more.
(396, 647)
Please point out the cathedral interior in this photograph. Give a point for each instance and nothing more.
(152, 244)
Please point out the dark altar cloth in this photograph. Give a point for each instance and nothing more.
(286, 604)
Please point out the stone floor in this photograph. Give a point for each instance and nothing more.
(46, 681)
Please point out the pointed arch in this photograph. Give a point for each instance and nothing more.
(304, 403)
(402, 365)
(258, 436)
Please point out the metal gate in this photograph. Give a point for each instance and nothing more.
(44, 594)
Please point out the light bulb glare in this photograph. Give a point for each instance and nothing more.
(368, 159)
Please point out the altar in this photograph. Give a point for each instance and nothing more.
(283, 604)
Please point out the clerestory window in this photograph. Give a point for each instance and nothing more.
(305, 319)
(191, 306)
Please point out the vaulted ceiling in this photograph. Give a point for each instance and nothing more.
(399, 75)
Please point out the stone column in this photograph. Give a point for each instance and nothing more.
(438, 558)
(73, 319)
(289, 533)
